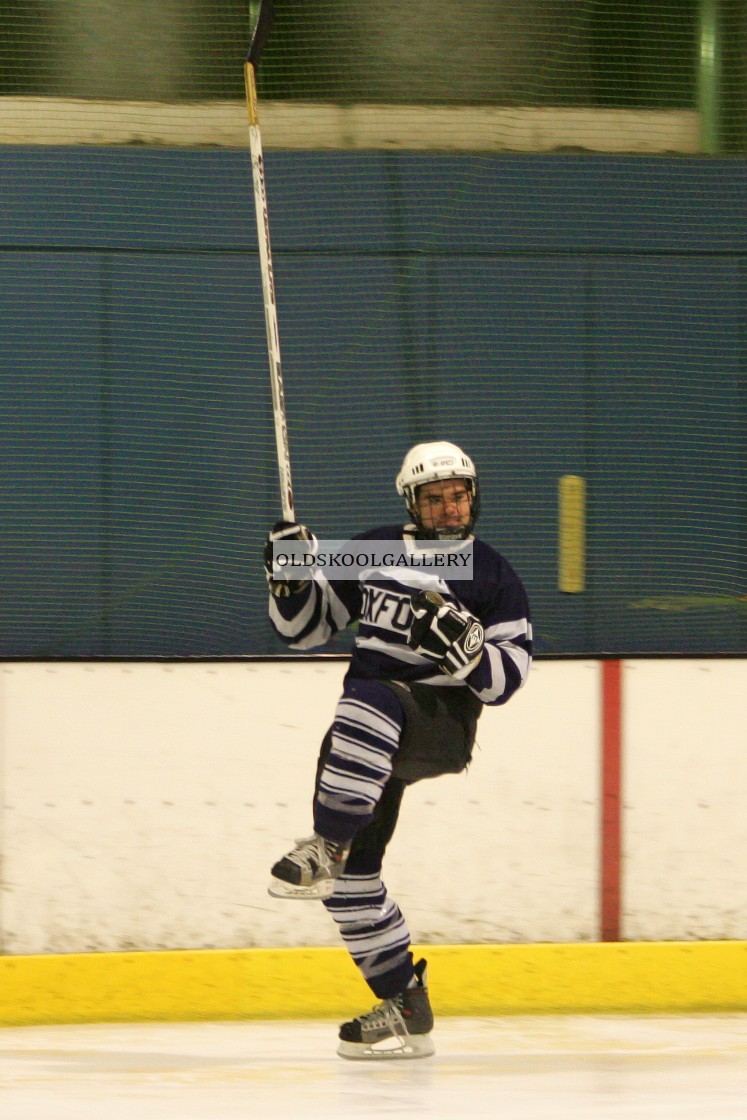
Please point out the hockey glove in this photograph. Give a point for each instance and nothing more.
(452, 638)
(286, 532)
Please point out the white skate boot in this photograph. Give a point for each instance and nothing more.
(310, 870)
(397, 1028)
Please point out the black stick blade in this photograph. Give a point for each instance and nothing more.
(261, 31)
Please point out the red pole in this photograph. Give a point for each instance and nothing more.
(611, 852)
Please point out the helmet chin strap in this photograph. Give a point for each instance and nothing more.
(459, 533)
(453, 533)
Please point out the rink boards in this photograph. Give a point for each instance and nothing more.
(143, 805)
(321, 982)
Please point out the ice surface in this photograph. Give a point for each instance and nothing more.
(514, 1068)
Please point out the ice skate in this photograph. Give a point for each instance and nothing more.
(310, 870)
(397, 1028)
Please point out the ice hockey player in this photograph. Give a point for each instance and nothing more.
(431, 649)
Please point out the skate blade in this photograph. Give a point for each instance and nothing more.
(280, 889)
(390, 1049)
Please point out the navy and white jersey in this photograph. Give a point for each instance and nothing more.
(380, 603)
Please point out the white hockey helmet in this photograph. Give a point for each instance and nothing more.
(429, 462)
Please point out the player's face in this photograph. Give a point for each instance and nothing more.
(445, 504)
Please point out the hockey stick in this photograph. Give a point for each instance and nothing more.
(259, 37)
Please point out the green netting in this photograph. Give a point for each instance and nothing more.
(520, 226)
(617, 54)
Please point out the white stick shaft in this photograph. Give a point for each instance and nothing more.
(268, 291)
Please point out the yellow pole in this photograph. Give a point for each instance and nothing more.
(571, 533)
